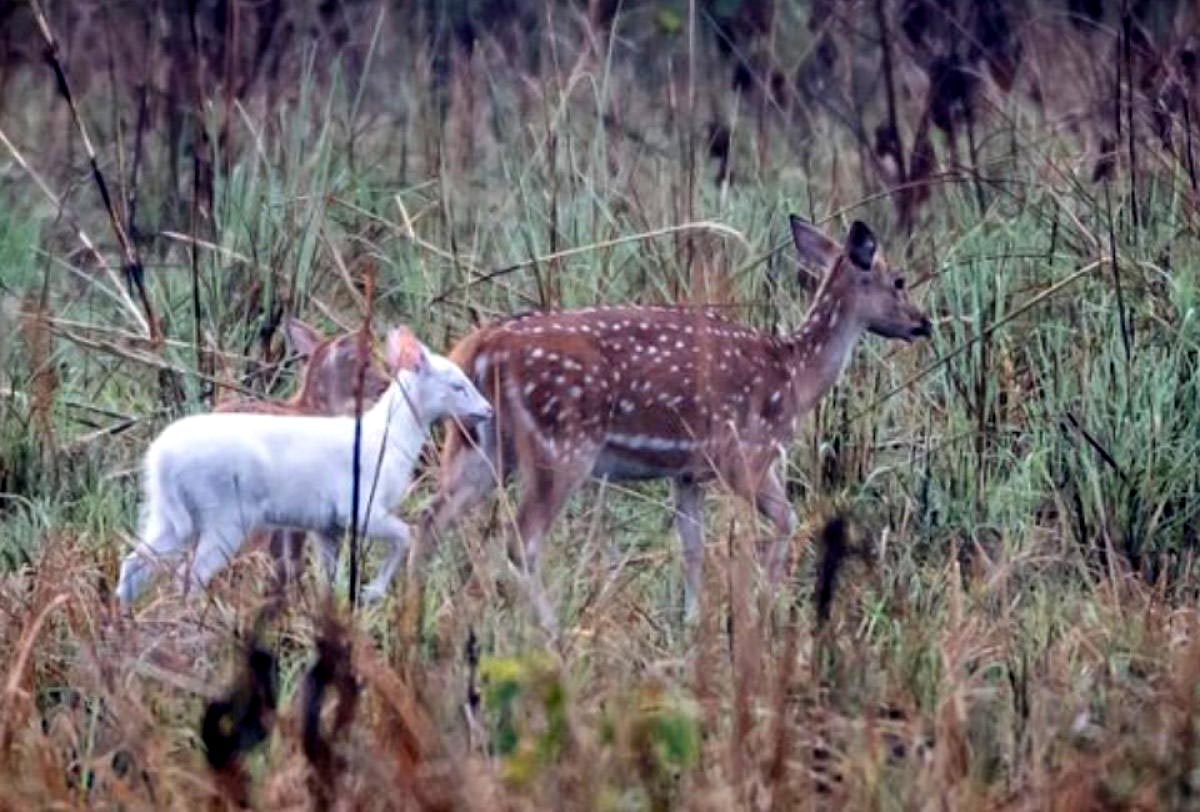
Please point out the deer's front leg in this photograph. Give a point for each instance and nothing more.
(390, 528)
(771, 502)
(689, 524)
(756, 480)
(546, 483)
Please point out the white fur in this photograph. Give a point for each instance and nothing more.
(211, 479)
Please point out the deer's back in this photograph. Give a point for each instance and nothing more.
(655, 389)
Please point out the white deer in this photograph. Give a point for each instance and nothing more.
(215, 478)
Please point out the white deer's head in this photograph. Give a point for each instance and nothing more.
(434, 384)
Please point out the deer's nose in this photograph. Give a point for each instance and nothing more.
(924, 328)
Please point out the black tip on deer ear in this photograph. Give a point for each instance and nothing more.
(860, 245)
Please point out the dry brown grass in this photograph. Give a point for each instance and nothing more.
(103, 711)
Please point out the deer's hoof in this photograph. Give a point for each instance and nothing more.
(373, 596)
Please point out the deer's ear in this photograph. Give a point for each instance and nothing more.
(860, 245)
(816, 251)
(304, 339)
(404, 351)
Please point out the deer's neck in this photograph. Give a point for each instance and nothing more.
(821, 349)
(395, 421)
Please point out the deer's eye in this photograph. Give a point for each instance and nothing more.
(899, 283)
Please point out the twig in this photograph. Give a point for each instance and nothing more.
(128, 336)
(12, 685)
(356, 479)
(885, 44)
(1126, 339)
(343, 271)
(700, 225)
(1127, 31)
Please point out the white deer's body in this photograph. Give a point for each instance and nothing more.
(334, 370)
(216, 478)
(289, 472)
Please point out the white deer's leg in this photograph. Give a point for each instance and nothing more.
(219, 543)
(390, 528)
(287, 548)
(159, 548)
(689, 524)
(327, 552)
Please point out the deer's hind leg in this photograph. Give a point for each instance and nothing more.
(219, 542)
(164, 534)
(689, 525)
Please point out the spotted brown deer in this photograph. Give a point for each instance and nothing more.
(634, 393)
(327, 387)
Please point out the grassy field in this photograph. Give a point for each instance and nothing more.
(1014, 621)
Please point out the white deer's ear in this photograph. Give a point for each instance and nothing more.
(404, 351)
(304, 339)
(817, 252)
(860, 245)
